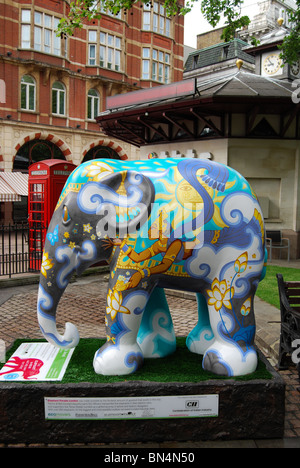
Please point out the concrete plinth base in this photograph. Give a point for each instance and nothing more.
(247, 410)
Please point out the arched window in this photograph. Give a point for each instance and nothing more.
(58, 99)
(99, 152)
(93, 104)
(28, 93)
(35, 151)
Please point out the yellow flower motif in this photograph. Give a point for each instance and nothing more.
(87, 228)
(246, 307)
(114, 304)
(122, 283)
(241, 263)
(219, 295)
(46, 264)
(72, 245)
(66, 235)
(97, 170)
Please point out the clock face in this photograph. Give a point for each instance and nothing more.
(272, 64)
(295, 68)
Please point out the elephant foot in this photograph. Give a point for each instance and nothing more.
(229, 360)
(118, 360)
(199, 339)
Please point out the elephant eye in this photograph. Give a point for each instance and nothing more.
(65, 216)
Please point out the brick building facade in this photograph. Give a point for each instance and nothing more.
(55, 87)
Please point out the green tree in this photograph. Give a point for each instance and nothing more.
(290, 49)
(230, 10)
(213, 10)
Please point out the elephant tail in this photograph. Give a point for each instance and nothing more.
(264, 270)
(47, 323)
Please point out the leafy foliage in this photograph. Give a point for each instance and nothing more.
(213, 11)
(88, 10)
(290, 49)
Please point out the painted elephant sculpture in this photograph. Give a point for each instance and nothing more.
(186, 224)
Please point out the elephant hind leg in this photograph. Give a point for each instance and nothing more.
(232, 352)
(156, 336)
(201, 336)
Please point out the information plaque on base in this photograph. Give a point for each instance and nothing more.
(154, 407)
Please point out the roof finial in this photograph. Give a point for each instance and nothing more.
(239, 63)
(280, 22)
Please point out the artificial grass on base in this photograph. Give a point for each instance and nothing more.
(181, 366)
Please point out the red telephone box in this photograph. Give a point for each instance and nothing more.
(45, 183)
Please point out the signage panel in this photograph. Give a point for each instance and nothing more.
(158, 407)
(174, 90)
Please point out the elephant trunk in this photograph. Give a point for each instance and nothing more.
(48, 299)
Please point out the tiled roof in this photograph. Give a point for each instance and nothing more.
(237, 84)
(236, 93)
(245, 84)
(218, 53)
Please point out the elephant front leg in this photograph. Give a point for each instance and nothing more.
(121, 354)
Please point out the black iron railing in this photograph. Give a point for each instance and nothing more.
(17, 252)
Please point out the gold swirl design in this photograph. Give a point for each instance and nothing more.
(72, 187)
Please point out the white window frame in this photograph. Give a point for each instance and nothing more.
(159, 64)
(60, 99)
(146, 63)
(92, 46)
(108, 50)
(94, 99)
(156, 20)
(25, 28)
(111, 46)
(44, 36)
(28, 87)
(108, 13)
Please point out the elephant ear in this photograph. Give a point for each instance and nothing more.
(122, 200)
